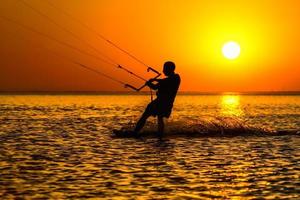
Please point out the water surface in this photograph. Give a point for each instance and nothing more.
(61, 147)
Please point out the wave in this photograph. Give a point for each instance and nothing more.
(208, 127)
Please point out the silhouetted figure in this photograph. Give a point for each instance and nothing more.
(162, 105)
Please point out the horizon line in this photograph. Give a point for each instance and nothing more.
(283, 92)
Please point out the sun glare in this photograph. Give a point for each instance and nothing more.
(231, 50)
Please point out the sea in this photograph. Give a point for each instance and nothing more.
(62, 147)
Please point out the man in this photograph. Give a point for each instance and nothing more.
(162, 105)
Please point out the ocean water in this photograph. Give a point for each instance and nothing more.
(60, 147)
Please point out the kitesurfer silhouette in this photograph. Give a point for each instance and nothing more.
(161, 106)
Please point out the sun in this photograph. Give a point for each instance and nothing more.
(231, 50)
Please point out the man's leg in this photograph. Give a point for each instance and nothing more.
(140, 124)
(160, 126)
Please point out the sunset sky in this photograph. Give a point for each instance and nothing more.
(189, 32)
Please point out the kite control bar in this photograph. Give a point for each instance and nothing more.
(138, 89)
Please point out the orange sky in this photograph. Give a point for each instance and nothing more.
(189, 32)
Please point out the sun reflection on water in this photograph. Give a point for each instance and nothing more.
(230, 106)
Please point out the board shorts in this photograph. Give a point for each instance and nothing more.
(159, 108)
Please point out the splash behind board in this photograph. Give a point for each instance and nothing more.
(123, 133)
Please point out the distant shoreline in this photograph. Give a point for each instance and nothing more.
(279, 93)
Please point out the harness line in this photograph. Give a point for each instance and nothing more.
(75, 48)
(78, 38)
(108, 61)
(74, 61)
(96, 32)
(68, 45)
(105, 39)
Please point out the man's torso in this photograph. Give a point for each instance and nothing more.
(168, 88)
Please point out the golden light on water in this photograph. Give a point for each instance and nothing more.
(230, 105)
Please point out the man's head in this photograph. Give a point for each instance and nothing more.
(169, 68)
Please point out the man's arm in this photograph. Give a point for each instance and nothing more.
(152, 85)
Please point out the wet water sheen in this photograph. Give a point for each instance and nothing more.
(60, 147)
